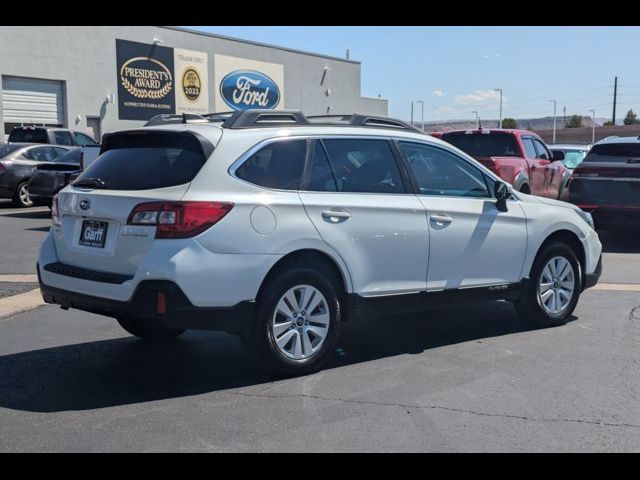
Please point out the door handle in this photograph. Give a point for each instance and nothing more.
(336, 216)
(441, 219)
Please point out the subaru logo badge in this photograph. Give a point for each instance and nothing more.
(85, 204)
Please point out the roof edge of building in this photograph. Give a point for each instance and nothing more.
(259, 44)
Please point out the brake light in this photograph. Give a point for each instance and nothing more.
(55, 212)
(179, 219)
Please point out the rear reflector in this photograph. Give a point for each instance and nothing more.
(161, 303)
(179, 219)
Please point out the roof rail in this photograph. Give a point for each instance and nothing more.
(360, 120)
(167, 119)
(265, 118)
(218, 116)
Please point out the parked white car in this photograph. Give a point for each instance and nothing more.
(279, 227)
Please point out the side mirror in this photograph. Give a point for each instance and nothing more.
(501, 191)
(557, 155)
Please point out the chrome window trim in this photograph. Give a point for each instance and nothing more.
(308, 137)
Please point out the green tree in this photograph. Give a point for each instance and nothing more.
(608, 123)
(509, 123)
(575, 121)
(631, 118)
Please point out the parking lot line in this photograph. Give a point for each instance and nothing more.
(620, 287)
(19, 278)
(20, 303)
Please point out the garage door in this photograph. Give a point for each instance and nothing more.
(30, 100)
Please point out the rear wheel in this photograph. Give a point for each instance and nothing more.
(554, 287)
(21, 196)
(145, 329)
(297, 322)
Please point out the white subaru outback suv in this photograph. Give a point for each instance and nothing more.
(278, 227)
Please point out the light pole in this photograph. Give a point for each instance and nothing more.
(554, 120)
(500, 118)
(411, 112)
(593, 126)
(422, 115)
(477, 119)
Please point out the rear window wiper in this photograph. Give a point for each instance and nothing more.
(89, 183)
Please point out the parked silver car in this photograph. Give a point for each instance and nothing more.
(18, 162)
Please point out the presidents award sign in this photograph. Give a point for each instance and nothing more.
(146, 83)
(154, 79)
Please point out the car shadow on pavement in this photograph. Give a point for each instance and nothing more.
(28, 214)
(126, 370)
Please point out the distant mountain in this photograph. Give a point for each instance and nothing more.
(544, 123)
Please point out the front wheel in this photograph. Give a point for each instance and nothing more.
(145, 329)
(21, 196)
(554, 287)
(297, 322)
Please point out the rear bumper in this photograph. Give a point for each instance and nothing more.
(178, 312)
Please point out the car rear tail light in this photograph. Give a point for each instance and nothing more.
(55, 212)
(82, 161)
(179, 219)
(2, 167)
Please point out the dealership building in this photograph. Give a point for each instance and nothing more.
(102, 79)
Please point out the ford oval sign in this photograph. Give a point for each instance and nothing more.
(249, 89)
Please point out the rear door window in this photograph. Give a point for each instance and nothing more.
(141, 160)
(62, 137)
(364, 166)
(320, 176)
(40, 154)
(277, 165)
(82, 139)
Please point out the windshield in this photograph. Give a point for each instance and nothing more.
(484, 144)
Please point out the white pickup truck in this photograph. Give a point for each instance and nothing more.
(88, 154)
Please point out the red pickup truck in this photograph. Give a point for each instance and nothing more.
(519, 157)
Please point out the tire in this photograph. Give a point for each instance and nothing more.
(525, 189)
(21, 196)
(144, 328)
(278, 337)
(545, 313)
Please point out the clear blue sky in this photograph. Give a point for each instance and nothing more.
(455, 69)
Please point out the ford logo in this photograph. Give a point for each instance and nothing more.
(85, 204)
(248, 89)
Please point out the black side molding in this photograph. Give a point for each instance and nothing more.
(85, 274)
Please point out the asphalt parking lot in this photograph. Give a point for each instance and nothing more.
(475, 379)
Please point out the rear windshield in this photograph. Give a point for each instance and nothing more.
(484, 144)
(147, 160)
(613, 152)
(30, 135)
(7, 149)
